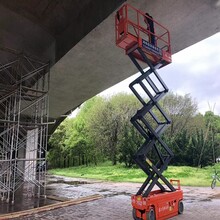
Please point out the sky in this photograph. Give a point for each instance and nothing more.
(194, 70)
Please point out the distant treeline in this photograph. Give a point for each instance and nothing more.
(102, 131)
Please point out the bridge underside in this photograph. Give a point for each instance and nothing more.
(77, 37)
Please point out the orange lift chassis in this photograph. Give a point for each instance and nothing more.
(157, 198)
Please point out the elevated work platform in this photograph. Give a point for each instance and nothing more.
(134, 29)
(150, 45)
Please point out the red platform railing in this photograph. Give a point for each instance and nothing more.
(131, 29)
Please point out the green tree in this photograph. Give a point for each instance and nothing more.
(79, 141)
(108, 120)
(199, 152)
(129, 142)
(181, 109)
(213, 133)
(58, 151)
(179, 144)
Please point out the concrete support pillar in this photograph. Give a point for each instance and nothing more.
(31, 155)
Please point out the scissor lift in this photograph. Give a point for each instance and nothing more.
(151, 121)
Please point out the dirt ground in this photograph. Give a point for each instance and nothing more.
(200, 203)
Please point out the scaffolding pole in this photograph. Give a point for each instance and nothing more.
(24, 113)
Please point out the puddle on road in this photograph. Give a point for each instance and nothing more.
(118, 194)
(205, 200)
(61, 181)
(104, 190)
(24, 201)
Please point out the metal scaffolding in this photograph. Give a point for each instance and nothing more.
(24, 85)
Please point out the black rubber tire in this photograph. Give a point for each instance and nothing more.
(151, 214)
(213, 184)
(180, 207)
(134, 214)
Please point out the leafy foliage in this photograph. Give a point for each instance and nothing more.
(102, 131)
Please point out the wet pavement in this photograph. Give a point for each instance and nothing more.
(24, 199)
(199, 202)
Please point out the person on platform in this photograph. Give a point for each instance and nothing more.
(150, 26)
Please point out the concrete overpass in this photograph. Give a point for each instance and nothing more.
(78, 39)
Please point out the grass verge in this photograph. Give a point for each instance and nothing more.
(189, 176)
